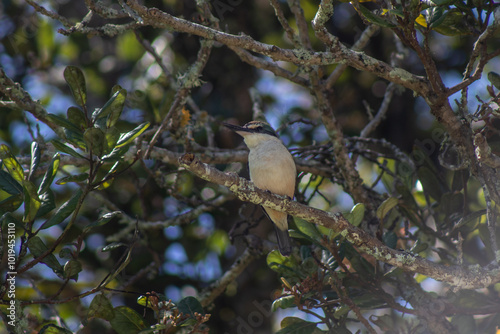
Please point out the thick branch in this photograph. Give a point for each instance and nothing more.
(472, 277)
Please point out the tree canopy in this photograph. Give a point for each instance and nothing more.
(125, 205)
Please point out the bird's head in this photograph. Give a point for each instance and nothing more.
(253, 127)
(254, 132)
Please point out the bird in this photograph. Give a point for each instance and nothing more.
(271, 168)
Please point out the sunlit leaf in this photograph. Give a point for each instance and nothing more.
(128, 137)
(77, 117)
(49, 174)
(13, 167)
(73, 178)
(283, 303)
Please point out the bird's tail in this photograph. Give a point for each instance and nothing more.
(284, 241)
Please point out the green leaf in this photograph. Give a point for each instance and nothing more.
(375, 19)
(390, 239)
(35, 158)
(95, 140)
(283, 303)
(13, 167)
(37, 248)
(66, 149)
(355, 217)
(53, 329)
(73, 178)
(474, 217)
(308, 229)
(494, 78)
(64, 211)
(113, 246)
(9, 184)
(100, 307)
(115, 155)
(293, 325)
(280, 263)
(76, 82)
(127, 138)
(127, 321)
(31, 201)
(49, 174)
(104, 219)
(190, 305)
(77, 117)
(72, 268)
(464, 323)
(63, 122)
(386, 206)
(430, 182)
(113, 108)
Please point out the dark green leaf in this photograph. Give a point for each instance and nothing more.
(76, 82)
(72, 268)
(308, 229)
(95, 140)
(63, 122)
(104, 219)
(73, 178)
(190, 305)
(13, 167)
(37, 248)
(127, 321)
(64, 211)
(66, 149)
(128, 137)
(9, 184)
(53, 329)
(49, 174)
(116, 154)
(390, 239)
(464, 323)
(113, 108)
(77, 117)
(8, 221)
(430, 182)
(113, 246)
(75, 138)
(100, 307)
(473, 217)
(494, 78)
(35, 158)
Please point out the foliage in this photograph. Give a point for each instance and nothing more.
(107, 228)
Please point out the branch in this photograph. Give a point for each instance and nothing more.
(338, 53)
(472, 277)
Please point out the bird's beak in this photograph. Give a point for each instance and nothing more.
(238, 129)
